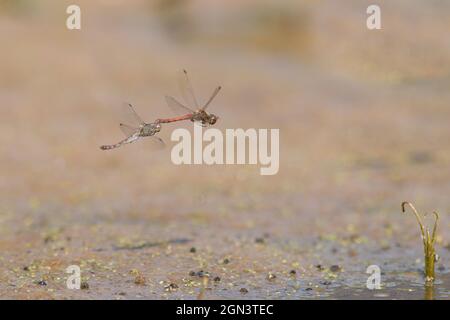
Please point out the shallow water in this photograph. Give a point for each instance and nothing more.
(363, 121)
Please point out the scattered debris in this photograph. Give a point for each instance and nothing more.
(320, 267)
(149, 244)
(199, 274)
(171, 287)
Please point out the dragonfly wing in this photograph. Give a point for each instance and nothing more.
(152, 143)
(129, 115)
(158, 142)
(177, 107)
(128, 130)
(216, 91)
(187, 90)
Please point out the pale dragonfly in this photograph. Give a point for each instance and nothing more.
(137, 130)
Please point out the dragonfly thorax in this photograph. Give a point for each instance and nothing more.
(204, 118)
(150, 129)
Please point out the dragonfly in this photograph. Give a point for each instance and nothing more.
(199, 115)
(140, 130)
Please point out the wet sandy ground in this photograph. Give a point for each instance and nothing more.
(363, 121)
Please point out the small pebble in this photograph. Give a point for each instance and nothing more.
(243, 291)
(139, 280)
(293, 272)
(320, 267)
(42, 283)
(308, 289)
(84, 285)
(192, 273)
(226, 261)
(26, 268)
(271, 276)
(217, 279)
(259, 240)
(335, 268)
(193, 250)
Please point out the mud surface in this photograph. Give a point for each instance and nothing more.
(364, 125)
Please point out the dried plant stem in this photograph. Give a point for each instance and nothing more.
(428, 242)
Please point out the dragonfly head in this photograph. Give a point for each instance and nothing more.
(212, 119)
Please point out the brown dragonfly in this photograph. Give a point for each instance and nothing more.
(138, 130)
(199, 115)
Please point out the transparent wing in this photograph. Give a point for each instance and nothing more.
(177, 107)
(129, 115)
(152, 143)
(216, 91)
(187, 91)
(128, 130)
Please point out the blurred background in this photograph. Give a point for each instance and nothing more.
(363, 118)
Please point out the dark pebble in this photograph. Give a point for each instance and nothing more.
(26, 268)
(193, 250)
(320, 267)
(192, 273)
(259, 240)
(308, 289)
(42, 283)
(243, 290)
(226, 261)
(202, 274)
(325, 283)
(84, 285)
(335, 268)
(217, 279)
(292, 272)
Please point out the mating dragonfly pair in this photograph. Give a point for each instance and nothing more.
(140, 129)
